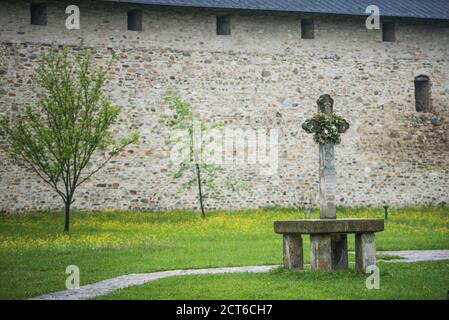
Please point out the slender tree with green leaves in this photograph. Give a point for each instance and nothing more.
(191, 134)
(66, 136)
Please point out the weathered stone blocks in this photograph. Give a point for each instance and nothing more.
(293, 251)
(328, 252)
(365, 251)
(321, 252)
(329, 242)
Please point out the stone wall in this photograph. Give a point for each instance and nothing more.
(263, 76)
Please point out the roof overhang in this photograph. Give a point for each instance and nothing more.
(421, 9)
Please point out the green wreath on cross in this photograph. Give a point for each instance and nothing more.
(327, 128)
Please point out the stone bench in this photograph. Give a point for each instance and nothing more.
(328, 242)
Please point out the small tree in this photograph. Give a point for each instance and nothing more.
(193, 136)
(58, 136)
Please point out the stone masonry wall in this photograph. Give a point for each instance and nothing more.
(262, 76)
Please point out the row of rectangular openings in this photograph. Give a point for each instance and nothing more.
(422, 82)
(223, 24)
(307, 28)
(39, 17)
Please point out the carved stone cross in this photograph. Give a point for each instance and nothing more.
(328, 179)
(328, 235)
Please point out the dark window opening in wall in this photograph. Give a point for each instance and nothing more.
(135, 20)
(422, 94)
(388, 32)
(307, 29)
(38, 14)
(223, 25)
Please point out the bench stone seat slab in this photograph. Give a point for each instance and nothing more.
(325, 226)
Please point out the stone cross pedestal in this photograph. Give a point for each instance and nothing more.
(328, 252)
(329, 247)
(328, 235)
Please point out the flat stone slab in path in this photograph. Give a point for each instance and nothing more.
(106, 286)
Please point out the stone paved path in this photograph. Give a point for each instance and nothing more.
(109, 285)
(418, 255)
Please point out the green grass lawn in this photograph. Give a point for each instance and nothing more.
(34, 253)
(423, 280)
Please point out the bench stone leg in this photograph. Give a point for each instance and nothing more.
(321, 252)
(339, 252)
(293, 255)
(365, 251)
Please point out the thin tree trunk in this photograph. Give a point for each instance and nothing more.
(200, 193)
(67, 216)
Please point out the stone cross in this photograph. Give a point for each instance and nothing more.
(328, 179)
(328, 235)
